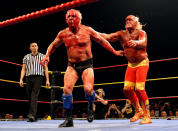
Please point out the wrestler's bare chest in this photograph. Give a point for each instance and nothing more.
(79, 39)
(130, 36)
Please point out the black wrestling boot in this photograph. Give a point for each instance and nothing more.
(90, 114)
(69, 120)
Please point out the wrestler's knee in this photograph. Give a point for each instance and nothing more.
(88, 89)
(67, 90)
(128, 85)
(140, 86)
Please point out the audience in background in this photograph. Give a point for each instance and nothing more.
(102, 111)
(127, 111)
(113, 112)
(152, 113)
(163, 114)
(100, 107)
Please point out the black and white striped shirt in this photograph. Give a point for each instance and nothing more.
(33, 66)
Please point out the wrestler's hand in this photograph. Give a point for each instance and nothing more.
(45, 60)
(132, 43)
(120, 53)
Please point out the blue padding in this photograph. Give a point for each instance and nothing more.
(67, 101)
(91, 98)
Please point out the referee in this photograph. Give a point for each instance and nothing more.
(34, 73)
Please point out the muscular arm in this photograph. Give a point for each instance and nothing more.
(46, 75)
(113, 37)
(52, 47)
(141, 43)
(95, 36)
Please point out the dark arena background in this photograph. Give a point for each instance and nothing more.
(160, 18)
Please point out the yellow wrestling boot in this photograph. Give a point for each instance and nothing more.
(138, 115)
(146, 119)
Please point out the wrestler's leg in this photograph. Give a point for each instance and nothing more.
(70, 79)
(141, 93)
(88, 81)
(129, 84)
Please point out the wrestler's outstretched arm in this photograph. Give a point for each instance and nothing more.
(113, 37)
(141, 43)
(103, 42)
(52, 47)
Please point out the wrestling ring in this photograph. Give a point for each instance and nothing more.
(159, 123)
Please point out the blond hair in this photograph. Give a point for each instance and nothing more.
(103, 93)
(139, 26)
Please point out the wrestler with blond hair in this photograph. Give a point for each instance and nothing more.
(134, 42)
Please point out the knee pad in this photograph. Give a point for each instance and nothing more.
(129, 85)
(67, 101)
(91, 98)
(140, 86)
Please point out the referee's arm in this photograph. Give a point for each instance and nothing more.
(22, 75)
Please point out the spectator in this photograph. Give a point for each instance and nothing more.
(170, 113)
(45, 117)
(163, 114)
(177, 113)
(74, 116)
(59, 113)
(11, 116)
(20, 117)
(7, 116)
(156, 108)
(84, 115)
(127, 111)
(113, 112)
(100, 108)
(152, 113)
(166, 107)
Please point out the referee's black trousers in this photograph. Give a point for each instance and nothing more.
(33, 89)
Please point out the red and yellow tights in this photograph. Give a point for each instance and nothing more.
(134, 86)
